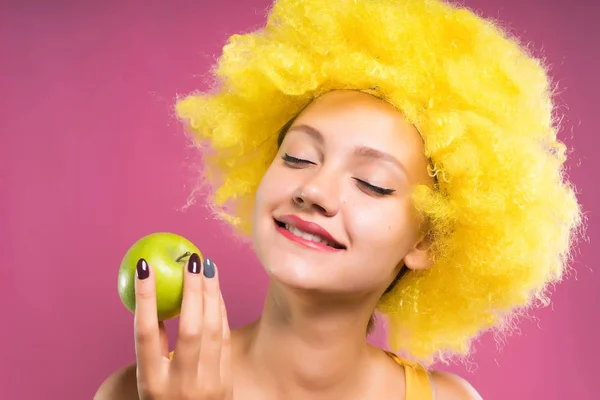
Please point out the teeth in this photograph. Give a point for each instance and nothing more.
(313, 238)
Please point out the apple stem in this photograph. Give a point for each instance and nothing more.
(184, 255)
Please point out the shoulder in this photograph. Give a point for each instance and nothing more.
(121, 385)
(448, 386)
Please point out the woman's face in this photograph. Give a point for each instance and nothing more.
(333, 212)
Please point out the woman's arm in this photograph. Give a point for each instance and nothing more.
(448, 386)
(121, 385)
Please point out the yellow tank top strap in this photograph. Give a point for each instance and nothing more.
(418, 384)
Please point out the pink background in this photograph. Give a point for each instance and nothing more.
(92, 159)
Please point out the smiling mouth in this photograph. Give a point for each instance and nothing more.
(308, 236)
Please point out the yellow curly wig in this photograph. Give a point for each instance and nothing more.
(503, 216)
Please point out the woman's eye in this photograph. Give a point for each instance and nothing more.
(372, 188)
(375, 189)
(294, 160)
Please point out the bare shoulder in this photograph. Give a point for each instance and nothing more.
(121, 385)
(450, 386)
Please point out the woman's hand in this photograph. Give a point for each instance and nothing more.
(201, 365)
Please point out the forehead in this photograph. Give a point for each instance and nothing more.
(356, 115)
(349, 119)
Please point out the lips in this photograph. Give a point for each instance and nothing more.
(309, 231)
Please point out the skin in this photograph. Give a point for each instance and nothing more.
(312, 331)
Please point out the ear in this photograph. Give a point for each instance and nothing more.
(419, 257)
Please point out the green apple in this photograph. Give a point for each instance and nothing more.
(167, 254)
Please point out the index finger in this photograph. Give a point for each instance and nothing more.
(147, 336)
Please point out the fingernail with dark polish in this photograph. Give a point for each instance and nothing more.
(142, 269)
(194, 264)
(209, 268)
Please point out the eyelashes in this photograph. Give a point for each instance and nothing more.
(377, 189)
(295, 161)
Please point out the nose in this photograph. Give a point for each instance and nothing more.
(320, 193)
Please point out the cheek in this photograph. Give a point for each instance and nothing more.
(273, 193)
(273, 188)
(384, 230)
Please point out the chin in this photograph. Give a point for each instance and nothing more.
(295, 266)
(291, 270)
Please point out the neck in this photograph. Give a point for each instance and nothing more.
(316, 343)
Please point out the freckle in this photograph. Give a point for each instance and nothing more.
(389, 227)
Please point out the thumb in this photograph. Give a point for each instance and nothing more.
(226, 345)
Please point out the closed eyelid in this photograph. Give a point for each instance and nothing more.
(360, 152)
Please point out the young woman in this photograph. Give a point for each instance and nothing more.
(387, 156)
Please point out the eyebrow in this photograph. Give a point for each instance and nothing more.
(360, 151)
